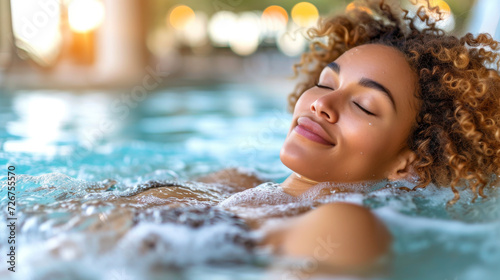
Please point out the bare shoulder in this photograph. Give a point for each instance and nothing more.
(237, 178)
(340, 234)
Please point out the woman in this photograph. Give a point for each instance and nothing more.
(381, 100)
(384, 99)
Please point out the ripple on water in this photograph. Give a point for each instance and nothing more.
(124, 225)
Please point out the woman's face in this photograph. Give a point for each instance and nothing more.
(355, 124)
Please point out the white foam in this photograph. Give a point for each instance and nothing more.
(264, 194)
(181, 245)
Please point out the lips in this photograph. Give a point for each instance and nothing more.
(312, 131)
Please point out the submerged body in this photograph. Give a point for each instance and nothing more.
(359, 238)
(356, 237)
(261, 214)
(184, 225)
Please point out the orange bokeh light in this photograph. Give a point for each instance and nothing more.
(352, 6)
(304, 14)
(181, 16)
(275, 16)
(443, 6)
(275, 11)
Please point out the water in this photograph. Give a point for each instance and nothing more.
(106, 189)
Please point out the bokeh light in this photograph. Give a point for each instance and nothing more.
(291, 43)
(181, 16)
(443, 6)
(274, 17)
(85, 15)
(354, 6)
(221, 27)
(195, 33)
(305, 14)
(245, 37)
(161, 42)
(444, 19)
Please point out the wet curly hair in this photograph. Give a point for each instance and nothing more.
(456, 137)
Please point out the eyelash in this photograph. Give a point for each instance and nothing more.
(364, 110)
(359, 106)
(322, 86)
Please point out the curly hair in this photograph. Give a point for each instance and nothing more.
(456, 137)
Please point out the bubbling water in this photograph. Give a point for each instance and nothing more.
(88, 227)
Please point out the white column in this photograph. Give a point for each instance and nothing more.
(6, 36)
(121, 47)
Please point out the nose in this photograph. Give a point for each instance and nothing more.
(325, 107)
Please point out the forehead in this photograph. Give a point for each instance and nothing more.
(383, 64)
(374, 54)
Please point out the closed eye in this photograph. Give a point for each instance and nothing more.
(322, 86)
(364, 110)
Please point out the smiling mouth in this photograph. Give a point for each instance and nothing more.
(312, 131)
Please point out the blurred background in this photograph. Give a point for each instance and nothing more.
(115, 43)
(80, 79)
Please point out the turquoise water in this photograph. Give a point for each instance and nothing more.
(84, 162)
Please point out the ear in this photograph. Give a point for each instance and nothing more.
(402, 168)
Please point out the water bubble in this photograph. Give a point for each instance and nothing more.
(90, 209)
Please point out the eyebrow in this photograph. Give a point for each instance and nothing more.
(365, 82)
(334, 66)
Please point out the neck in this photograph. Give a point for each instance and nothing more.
(297, 184)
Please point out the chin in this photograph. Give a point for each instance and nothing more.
(299, 166)
(294, 157)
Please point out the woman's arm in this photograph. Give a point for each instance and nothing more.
(238, 179)
(339, 235)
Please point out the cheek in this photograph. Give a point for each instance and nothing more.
(302, 106)
(366, 140)
(304, 102)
